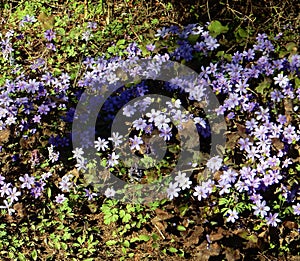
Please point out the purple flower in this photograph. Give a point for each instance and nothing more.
(260, 209)
(135, 143)
(139, 124)
(43, 109)
(245, 144)
(272, 219)
(166, 133)
(296, 209)
(49, 35)
(60, 198)
(27, 181)
(150, 47)
(162, 32)
(51, 46)
(2, 180)
(90, 195)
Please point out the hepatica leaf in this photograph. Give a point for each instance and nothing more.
(46, 21)
(263, 87)
(216, 28)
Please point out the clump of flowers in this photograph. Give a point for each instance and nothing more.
(259, 95)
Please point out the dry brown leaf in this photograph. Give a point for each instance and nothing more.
(288, 106)
(205, 251)
(232, 254)
(195, 236)
(232, 139)
(162, 215)
(20, 210)
(4, 136)
(278, 144)
(216, 236)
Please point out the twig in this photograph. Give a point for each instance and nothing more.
(208, 14)
(159, 231)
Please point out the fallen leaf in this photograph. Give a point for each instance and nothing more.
(232, 254)
(4, 136)
(162, 215)
(195, 236)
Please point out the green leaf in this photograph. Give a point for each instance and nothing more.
(216, 28)
(126, 218)
(134, 239)
(181, 228)
(193, 38)
(21, 257)
(297, 83)
(144, 238)
(111, 242)
(155, 237)
(49, 192)
(34, 254)
(291, 46)
(173, 249)
(242, 33)
(126, 243)
(223, 201)
(57, 245)
(263, 87)
(121, 42)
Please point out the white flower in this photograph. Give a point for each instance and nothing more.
(173, 190)
(81, 164)
(116, 138)
(5, 189)
(214, 163)
(64, 185)
(113, 159)
(281, 80)
(177, 104)
(86, 35)
(46, 175)
(129, 110)
(53, 156)
(152, 115)
(13, 194)
(78, 152)
(110, 192)
(161, 121)
(182, 180)
(232, 216)
(101, 144)
(200, 192)
(200, 121)
(7, 206)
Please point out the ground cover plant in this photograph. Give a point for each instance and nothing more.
(232, 200)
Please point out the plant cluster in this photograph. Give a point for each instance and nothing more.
(255, 175)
